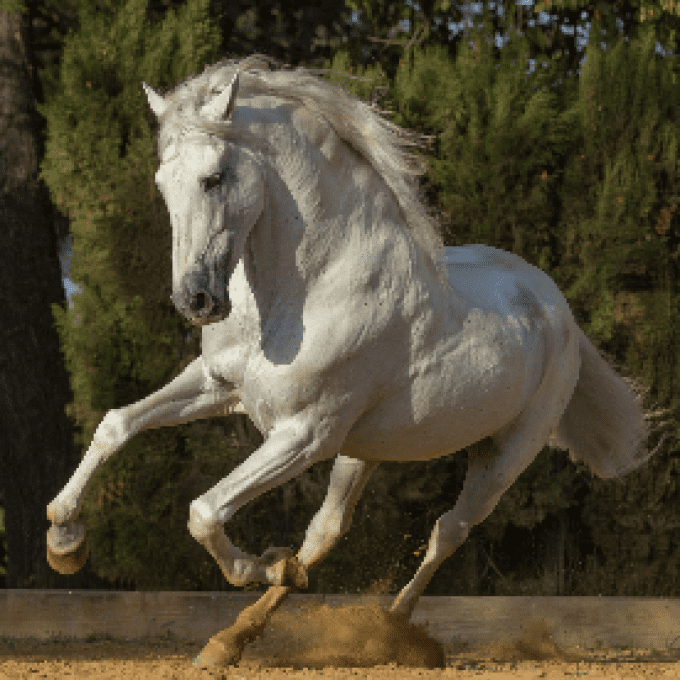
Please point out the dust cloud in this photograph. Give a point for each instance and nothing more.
(355, 637)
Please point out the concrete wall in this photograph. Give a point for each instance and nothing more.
(588, 621)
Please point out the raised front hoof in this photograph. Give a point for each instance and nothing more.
(283, 568)
(218, 654)
(67, 547)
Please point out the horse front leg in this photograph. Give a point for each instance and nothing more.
(186, 398)
(289, 450)
(348, 479)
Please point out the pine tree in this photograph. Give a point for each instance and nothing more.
(522, 167)
(123, 337)
(623, 240)
(36, 448)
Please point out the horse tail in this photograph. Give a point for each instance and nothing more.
(604, 424)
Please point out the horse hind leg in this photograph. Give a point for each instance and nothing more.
(494, 464)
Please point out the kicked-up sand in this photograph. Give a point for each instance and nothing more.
(350, 642)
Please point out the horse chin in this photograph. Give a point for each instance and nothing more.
(206, 321)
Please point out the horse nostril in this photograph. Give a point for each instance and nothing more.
(200, 302)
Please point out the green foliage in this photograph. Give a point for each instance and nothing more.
(582, 182)
(359, 80)
(13, 6)
(630, 146)
(501, 145)
(378, 13)
(122, 339)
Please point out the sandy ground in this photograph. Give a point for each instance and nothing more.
(347, 643)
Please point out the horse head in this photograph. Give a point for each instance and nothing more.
(214, 192)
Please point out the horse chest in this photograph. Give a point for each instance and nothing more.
(272, 392)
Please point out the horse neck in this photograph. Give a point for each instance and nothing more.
(325, 205)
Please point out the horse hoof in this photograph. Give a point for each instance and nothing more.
(284, 568)
(67, 547)
(296, 572)
(216, 655)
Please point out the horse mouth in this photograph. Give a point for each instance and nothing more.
(215, 315)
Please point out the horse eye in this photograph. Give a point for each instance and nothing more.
(211, 181)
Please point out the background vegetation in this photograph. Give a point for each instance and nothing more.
(580, 179)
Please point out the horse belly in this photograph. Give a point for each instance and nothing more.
(453, 402)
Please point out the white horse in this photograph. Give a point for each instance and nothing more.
(334, 317)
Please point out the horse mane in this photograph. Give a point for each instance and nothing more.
(359, 124)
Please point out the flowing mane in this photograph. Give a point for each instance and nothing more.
(381, 142)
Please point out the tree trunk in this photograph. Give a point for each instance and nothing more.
(554, 569)
(37, 453)
(471, 566)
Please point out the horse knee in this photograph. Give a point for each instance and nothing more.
(200, 524)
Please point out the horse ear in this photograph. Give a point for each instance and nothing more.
(158, 105)
(222, 106)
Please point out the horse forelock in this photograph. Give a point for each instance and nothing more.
(381, 142)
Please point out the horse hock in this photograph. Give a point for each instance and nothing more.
(67, 547)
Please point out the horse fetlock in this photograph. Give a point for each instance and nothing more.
(404, 603)
(243, 571)
(316, 546)
(63, 509)
(275, 574)
(239, 568)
